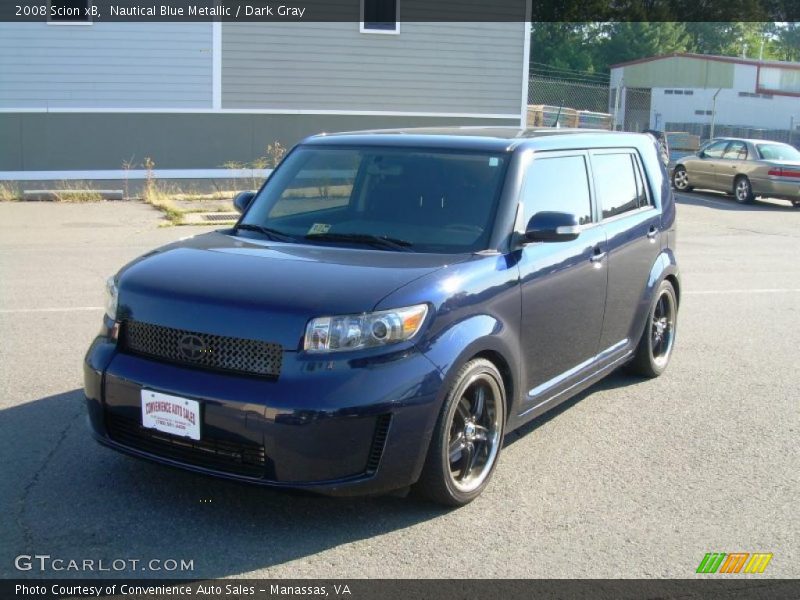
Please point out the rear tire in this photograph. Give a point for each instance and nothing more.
(658, 338)
(680, 179)
(742, 190)
(468, 437)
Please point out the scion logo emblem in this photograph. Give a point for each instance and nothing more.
(192, 347)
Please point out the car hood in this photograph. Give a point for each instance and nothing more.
(222, 284)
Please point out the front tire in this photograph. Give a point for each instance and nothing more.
(468, 437)
(655, 346)
(680, 179)
(743, 191)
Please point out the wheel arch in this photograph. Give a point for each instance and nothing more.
(499, 361)
(481, 336)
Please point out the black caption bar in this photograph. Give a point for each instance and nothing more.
(409, 10)
(439, 589)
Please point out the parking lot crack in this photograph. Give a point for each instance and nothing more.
(27, 534)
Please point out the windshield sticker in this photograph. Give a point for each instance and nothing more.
(319, 228)
(494, 161)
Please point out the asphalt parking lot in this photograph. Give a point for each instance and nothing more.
(632, 479)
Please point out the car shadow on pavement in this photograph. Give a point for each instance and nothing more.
(725, 202)
(69, 497)
(616, 380)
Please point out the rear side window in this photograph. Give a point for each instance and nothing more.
(735, 151)
(560, 184)
(618, 183)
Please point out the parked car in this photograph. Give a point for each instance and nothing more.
(389, 306)
(743, 168)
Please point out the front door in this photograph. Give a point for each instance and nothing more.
(703, 171)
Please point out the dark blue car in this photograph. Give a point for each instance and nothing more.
(390, 305)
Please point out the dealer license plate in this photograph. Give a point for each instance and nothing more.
(171, 414)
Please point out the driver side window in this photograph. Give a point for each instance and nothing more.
(559, 183)
(716, 149)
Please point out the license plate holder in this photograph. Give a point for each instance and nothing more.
(175, 415)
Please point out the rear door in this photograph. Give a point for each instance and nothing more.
(631, 223)
(563, 284)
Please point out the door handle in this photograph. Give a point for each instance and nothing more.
(598, 255)
(652, 232)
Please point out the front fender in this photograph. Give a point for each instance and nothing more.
(482, 335)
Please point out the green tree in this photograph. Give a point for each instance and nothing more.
(626, 41)
(787, 42)
(750, 39)
(562, 47)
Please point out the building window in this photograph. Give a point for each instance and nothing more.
(69, 12)
(380, 16)
(668, 92)
(688, 92)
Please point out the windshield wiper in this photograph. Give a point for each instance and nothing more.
(379, 241)
(269, 232)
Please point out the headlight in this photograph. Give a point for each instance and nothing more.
(353, 332)
(111, 298)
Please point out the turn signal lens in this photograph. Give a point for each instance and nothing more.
(111, 298)
(367, 330)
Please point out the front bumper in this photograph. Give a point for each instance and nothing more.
(340, 426)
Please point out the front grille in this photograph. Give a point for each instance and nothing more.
(246, 459)
(202, 350)
(378, 443)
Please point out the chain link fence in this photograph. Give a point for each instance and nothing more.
(556, 102)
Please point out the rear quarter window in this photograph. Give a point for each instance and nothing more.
(618, 183)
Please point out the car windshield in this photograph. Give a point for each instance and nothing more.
(396, 199)
(778, 152)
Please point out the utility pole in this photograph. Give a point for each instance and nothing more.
(616, 103)
(713, 113)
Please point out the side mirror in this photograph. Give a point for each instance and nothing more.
(242, 200)
(552, 227)
(702, 154)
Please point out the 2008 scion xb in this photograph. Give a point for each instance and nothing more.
(388, 306)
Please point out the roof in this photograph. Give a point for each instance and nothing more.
(754, 141)
(711, 57)
(491, 139)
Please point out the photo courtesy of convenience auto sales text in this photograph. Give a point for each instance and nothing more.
(388, 306)
(193, 590)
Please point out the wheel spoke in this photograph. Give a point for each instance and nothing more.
(463, 411)
(468, 459)
(480, 401)
(456, 446)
